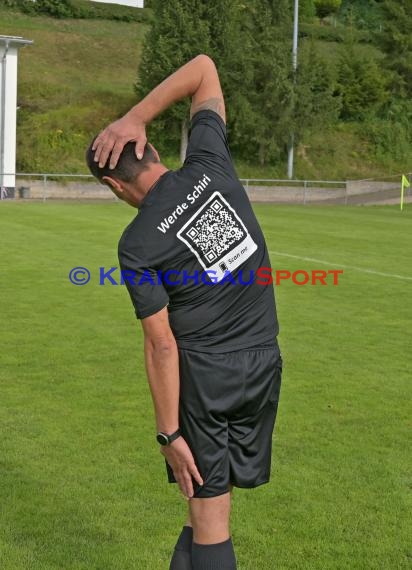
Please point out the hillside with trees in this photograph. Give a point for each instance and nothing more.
(348, 104)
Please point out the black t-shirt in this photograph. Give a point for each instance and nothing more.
(194, 244)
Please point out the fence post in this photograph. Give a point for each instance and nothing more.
(304, 191)
(346, 193)
(44, 187)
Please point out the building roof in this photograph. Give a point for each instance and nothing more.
(16, 41)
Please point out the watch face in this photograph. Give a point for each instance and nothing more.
(162, 438)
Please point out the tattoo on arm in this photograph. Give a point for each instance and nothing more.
(214, 104)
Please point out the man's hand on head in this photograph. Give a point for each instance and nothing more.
(197, 79)
(180, 459)
(111, 141)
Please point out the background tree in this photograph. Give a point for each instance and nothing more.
(278, 103)
(264, 108)
(307, 9)
(361, 14)
(326, 8)
(316, 99)
(251, 44)
(179, 32)
(396, 43)
(230, 46)
(362, 86)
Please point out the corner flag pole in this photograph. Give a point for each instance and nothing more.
(405, 184)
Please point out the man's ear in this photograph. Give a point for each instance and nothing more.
(154, 151)
(113, 183)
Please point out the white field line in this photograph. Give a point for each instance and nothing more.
(361, 269)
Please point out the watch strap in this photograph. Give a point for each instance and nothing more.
(174, 436)
(166, 439)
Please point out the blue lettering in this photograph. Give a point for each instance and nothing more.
(228, 278)
(107, 275)
(250, 278)
(170, 272)
(146, 278)
(209, 277)
(186, 277)
(127, 275)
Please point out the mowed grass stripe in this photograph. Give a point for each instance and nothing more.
(81, 479)
(334, 264)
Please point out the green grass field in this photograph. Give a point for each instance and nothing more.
(82, 483)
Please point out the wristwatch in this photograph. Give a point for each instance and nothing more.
(166, 439)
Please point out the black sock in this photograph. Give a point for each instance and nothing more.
(214, 556)
(182, 555)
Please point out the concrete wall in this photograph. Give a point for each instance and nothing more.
(288, 194)
(359, 193)
(83, 189)
(356, 187)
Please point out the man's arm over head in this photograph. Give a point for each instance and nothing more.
(197, 79)
(208, 94)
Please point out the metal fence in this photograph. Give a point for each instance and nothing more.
(296, 191)
(56, 186)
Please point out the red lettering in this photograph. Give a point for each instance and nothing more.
(294, 278)
(266, 274)
(319, 275)
(282, 274)
(335, 272)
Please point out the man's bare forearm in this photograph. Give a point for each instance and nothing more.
(184, 82)
(197, 79)
(162, 366)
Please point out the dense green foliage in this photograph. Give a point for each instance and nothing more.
(348, 103)
(362, 84)
(251, 46)
(266, 100)
(396, 42)
(179, 32)
(326, 7)
(79, 9)
(361, 14)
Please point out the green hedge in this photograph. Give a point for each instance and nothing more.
(328, 33)
(81, 9)
(97, 11)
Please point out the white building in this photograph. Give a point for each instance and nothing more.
(131, 3)
(9, 46)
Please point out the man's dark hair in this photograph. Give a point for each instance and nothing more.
(128, 166)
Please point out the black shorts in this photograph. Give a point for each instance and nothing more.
(228, 405)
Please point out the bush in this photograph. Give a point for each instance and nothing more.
(54, 8)
(390, 140)
(82, 9)
(361, 14)
(325, 8)
(337, 34)
(362, 86)
(94, 11)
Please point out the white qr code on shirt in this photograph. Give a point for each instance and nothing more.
(218, 237)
